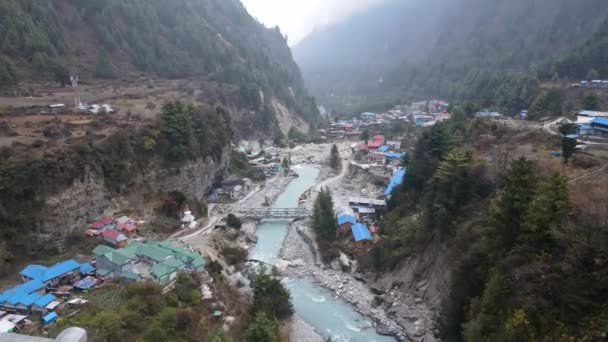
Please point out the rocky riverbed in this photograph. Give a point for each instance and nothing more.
(384, 308)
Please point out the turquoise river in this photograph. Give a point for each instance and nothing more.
(317, 306)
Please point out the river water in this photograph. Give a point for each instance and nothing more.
(316, 305)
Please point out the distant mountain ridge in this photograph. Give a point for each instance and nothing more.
(415, 48)
(215, 40)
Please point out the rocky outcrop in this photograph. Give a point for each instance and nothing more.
(89, 197)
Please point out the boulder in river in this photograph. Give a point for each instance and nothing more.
(383, 330)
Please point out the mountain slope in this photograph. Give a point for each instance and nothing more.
(431, 46)
(211, 39)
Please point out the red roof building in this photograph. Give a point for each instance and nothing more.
(114, 237)
(127, 228)
(103, 223)
(377, 142)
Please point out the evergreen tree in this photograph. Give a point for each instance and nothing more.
(176, 123)
(517, 190)
(568, 148)
(262, 329)
(105, 68)
(286, 165)
(365, 136)
(547, 213)
(335, 162)
(270, 296)
(592, 102)
(324, 222)
(8, 75)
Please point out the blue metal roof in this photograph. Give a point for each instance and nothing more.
(346, 218)
(45, 274)
(600, 121)
(45, 300)
(49, 318)
(361, 232)
(383, 148)
(30, 299)
(395, 155)
(34, 271)
(19, 294)
(591, 113)
(397, 180)
(86, 268)
(584, 126)
(572, 136)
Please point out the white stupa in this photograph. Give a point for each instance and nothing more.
(188, 220)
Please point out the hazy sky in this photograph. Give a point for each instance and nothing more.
(297, 18)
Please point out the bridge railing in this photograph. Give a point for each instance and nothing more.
(277, 213)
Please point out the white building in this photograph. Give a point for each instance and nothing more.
(587, 116)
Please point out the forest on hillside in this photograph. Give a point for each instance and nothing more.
(527, 247)
(214, 40)
(470, 49)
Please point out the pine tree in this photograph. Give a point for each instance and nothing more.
(270, 296)
(262, 329)
(365, 136)
(568, 148)
(105, 68)
(591, 102)
(176, 124)
(334, 158)
(546, 214)
(518, 188)
(324, 222)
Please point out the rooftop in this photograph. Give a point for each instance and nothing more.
(45, 274)
(361, 232)
(342, 219)
(600, 121)
(161, 270)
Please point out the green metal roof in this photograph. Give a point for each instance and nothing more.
(153, 252)
(103, 271)
(102, 249)
(198, 262)
(161, 270)
(117, 258)
(175, 263)
(130, 275)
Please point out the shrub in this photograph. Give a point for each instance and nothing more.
(234, 255)
(233, 222)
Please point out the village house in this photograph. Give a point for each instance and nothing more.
(394, 144)
(129, 229)
(111, 263)
(54, 275)
(599, 126)
(57, 108)
(377, 142)
(368, 116)
(103, 223)
(362, 236)
(586, 116)
(31, 296)
(152, 260)
(345, 222)
(396, 180)
(114, 238)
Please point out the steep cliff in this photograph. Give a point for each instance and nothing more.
(89, 197)
(48, 192)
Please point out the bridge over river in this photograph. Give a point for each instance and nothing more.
(276, 213)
